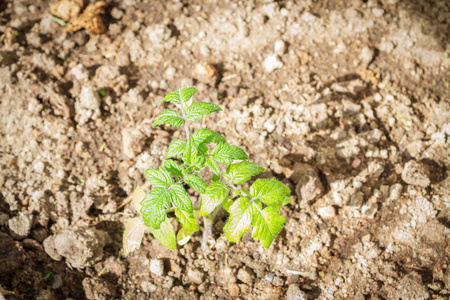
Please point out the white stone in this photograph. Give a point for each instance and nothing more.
(326, 212)
(271, 63)
(157, 267)
(280, 47)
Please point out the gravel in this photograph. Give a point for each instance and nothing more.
(20, 226)
(416, 173)
(157, 267)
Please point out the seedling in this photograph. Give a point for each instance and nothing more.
(256, 206)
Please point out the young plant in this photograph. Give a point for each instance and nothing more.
(257, 206)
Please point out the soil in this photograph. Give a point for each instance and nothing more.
(346, 102)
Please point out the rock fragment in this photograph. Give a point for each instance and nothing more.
(308, 185)
(326, 212)
(246, 275)
(271, 63)
(195, 276)
(416, 173)
(80, 247)
(20, 226)
(295, 293)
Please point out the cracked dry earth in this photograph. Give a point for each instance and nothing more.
(346, 102)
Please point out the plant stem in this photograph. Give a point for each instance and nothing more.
(186, 128)
(197, 208)
(208, 222)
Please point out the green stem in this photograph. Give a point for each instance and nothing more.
(186, 128)
(208, 222)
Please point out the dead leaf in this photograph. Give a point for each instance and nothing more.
(67, 9)
(90, 19)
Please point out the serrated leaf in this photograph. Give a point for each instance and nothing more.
(187, 93)
(267, 224)
(216, 177)
(176, 148)
(242, 172)
(286, 201)
(184, 94)
(196, 183)
(225, 153)
(269, 191)
(198, 109)
(173, 168)
(180, 198)
(168, 116)
(138, 195)
(183, 236)
(227, 204)
(165, 234)
(186, 219)
(159, 178)
(240, 220)
(212, 164)
(208, 136)
(191, 152)
(133, 234)
(154, 206)
(214, 195)
(174, 97)
(203, 149)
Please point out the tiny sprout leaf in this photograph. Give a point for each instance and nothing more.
(173, 168)
(133, 234)
(159, 178)
(165, 234)
(180, 198)
(208, 136)
(212, 164)
(187, 93)
(198, 109)
(138, 195)
(154, 207)
(196, 183)
(242, 172)
(214, 195)
(176, 148)
(240, 220)
(269, 191)
(267, 224)
(168, 116)
(286, 201)
(183, 236)
(186, 219)
(225, 153)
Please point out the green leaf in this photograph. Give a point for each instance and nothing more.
(198, 109)
(269, 191)
(159, 178)
(191, 152)
(227, 204)
(176, 148)
(267, 224)
(154, 207)
(138, 195)
(208, 136)
(216, 177)
(242, 172)
(187, 93)
(214, 195)
(180, 198)
(225, 153)
(173, 168)
(196, 183)
(240, 220)
(286, 201)
(184, 94)
(133, 234)
(203, 149)
(212, 164)
(165, 234)
(186, 219)
(183, 236)
(168, 116)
